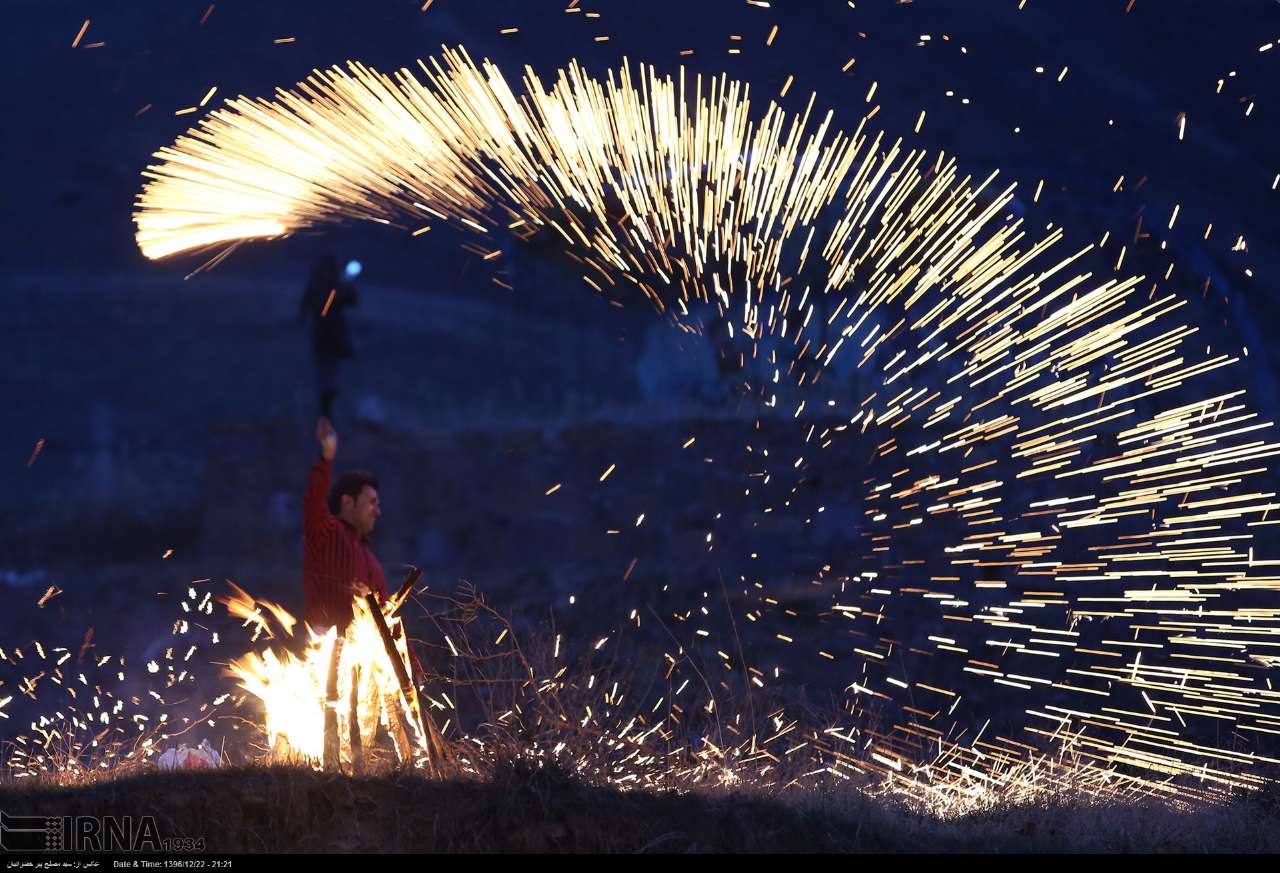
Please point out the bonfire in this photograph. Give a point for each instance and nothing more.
(325, 706)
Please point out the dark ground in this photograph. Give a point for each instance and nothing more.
(524, 810)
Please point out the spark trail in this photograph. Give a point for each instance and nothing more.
(1068, 499)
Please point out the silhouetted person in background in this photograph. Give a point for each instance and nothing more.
(324, 301)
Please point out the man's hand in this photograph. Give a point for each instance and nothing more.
(328, 439)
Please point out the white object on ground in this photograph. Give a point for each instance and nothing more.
(203, 756)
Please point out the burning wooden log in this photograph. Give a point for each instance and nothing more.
(406, 589)
(354, 741)
(330, 759)
(428, 730)
(354, 746)
(395, 715)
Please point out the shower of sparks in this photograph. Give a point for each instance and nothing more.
(1067, 499)
(102, 724)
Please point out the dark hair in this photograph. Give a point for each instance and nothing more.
(325, 271)
(350, 484)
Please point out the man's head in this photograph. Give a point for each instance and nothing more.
(354, 499)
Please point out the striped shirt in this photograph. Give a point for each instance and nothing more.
(334, 557)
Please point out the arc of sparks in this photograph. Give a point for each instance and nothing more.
(994, 369)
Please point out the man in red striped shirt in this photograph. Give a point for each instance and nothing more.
(337, 563)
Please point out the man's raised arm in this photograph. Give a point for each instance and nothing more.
(317, 520)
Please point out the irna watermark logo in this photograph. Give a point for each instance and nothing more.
(87, 833)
